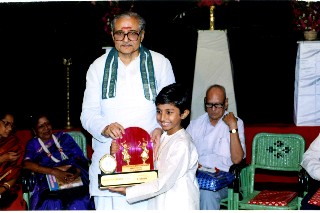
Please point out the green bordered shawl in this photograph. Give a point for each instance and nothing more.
(146, 69)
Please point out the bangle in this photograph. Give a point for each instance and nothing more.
(6, 185)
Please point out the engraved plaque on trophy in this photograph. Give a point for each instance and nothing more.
(132, 164)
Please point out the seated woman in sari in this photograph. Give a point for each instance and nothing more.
(56, 154)
(11, 156)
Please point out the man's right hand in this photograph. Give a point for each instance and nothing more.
(113, 130)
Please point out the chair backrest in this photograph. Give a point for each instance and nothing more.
(80, 138)
(275, 152)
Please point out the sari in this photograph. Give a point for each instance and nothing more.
(12, 199)
(42, 198)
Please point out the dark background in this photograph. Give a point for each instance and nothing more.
(36, 36)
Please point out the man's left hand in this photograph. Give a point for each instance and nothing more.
(230, 120)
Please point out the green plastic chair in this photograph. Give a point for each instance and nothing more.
(80, 138)
(272, 152)
(27, 177)
(227, 203)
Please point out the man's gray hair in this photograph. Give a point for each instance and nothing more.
(142, 22)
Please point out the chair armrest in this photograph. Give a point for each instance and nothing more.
(236, 170)
(307, 183)
(28, 180)
(303, 182)
(237, 167)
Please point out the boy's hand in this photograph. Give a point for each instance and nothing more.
(114, 148)
(155, 139)
(120, 190)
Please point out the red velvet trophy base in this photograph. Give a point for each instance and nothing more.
(134, 160)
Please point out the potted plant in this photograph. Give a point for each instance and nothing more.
(307, 18)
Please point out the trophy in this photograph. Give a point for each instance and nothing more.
(132, 164)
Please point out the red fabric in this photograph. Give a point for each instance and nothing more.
(273, 198)
(315, 199)
(260, 178)
(18, 204)
(11, 169)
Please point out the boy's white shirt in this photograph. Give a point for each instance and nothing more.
(176, 186)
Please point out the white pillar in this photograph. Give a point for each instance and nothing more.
(213, 66)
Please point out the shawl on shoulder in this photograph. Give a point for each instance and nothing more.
(146, 70)
(10, 170)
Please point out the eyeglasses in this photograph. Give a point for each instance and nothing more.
(7, 124)
(132, 35)
(216, 106)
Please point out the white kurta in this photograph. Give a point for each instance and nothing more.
(176, 187)
(213, 142)
(311, 159)
(129, 108)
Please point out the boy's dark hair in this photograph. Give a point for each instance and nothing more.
(176, 94)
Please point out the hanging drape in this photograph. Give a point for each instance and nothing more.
(213, 66)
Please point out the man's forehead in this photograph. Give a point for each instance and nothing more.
(126, 28)
(126, 24)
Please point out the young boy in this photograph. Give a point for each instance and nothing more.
(176, 159)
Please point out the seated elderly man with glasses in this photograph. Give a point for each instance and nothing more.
(220, 141)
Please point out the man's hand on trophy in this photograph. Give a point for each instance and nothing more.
(120, 190)
(114, 148)
(113, 130)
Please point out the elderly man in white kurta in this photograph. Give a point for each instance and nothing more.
(120, 91)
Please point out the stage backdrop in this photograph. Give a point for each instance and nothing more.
(213, 66)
